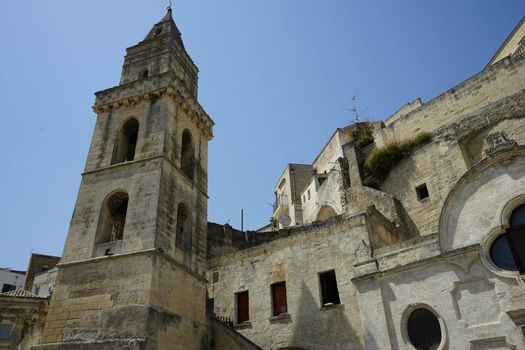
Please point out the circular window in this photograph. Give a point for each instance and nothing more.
(424, 330)
(501, 250)
(501, 254)
(518, 216)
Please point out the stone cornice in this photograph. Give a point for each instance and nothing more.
(143, 252)
(472, 249)
(154, 87)
(162, 157)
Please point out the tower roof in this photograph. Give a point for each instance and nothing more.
(166, 27)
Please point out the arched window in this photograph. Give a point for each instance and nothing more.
(424, 330)
(184, 229)
(144, 74)
(112, 217)
(187, 157)
(326, 212)
(508, 250)
(126, 142)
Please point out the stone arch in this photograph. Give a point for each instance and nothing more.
(112, 219)
(126, 142)
(326, 212)
(476, 204)
(187, 156)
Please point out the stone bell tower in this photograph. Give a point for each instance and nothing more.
(131, 274)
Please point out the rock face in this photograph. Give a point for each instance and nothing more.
(432, 257)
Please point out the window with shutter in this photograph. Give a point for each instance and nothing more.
(243, 307)
(279, 305)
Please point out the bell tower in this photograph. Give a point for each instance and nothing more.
(131, 274)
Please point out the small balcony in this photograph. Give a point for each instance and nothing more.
(280, 202)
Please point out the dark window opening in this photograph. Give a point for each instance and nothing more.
(126, 142)
(113, 218)
(158, 31)
(508, 250)
(210, 306)
(321, 180)
(422, 192)
(144, 74)
(424, 330)
(243, 307)
(8, 287)
(329, 291)
(279, 304)
(184, 229)
(187, 161)
(5, 331)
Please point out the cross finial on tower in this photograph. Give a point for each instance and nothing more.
(169, 6)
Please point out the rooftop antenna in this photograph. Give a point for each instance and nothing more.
(354, 107)
(358, 113)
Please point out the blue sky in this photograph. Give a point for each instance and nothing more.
(275, 76)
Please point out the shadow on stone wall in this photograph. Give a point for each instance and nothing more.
(316, 329)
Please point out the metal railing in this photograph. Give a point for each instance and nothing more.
(280, 201)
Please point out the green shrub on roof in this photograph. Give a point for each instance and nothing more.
(382, 160)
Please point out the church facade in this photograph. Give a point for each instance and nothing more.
(407, 233)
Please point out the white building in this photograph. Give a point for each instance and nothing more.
(11, 279)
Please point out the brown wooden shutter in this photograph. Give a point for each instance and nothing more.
(516, 237)
(279, 298)
(243, 307)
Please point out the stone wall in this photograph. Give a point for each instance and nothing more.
(145, 300)
(456, 148)
(225, 338)
(296, 258)
(472, 304)
(141, 180)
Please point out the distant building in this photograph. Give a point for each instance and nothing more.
(41, 274)
(11, 279)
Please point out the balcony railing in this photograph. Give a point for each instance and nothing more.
(280, 201)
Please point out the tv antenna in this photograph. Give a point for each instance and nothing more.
(357, 113)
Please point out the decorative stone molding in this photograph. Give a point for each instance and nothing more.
(362, 253)
(499, 141)
(166, 84)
